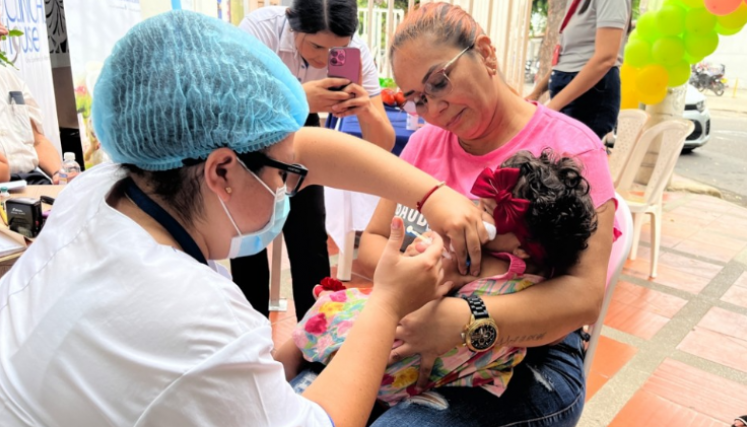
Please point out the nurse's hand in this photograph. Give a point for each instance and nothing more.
(403, 283)
(458, 219)
(321, 98)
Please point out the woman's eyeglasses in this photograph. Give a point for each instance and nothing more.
(437, 85)
(292, 174)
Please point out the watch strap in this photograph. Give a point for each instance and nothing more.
(477, 307)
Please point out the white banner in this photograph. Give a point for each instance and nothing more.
(93, 27)
(31, 55)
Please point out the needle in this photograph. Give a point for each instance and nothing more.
(427, 240)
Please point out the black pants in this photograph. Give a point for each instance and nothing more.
(598, 107)
(305, 237)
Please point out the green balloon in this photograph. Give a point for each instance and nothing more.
(727, 31)
(736, 19)
(692, 59)
(638, 52)
(670, 20)
(679, 73)
(699, 21)
(700, 46)
(668, 51)
(694, 4)
(646, 27)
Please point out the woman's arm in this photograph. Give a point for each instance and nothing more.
(49, 158)
(4, 169)
(536, 316)
(606, 49)
(375, 125)
(341, 161)
(374, 237)
(347, 388)
(540, 87)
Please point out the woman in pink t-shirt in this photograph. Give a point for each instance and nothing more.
(448, 70)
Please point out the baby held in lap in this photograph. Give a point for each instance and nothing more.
(543, 215)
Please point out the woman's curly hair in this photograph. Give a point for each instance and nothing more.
(561, 215)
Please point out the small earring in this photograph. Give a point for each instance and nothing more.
(229, 190)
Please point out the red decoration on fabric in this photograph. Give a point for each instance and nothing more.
(330, 284)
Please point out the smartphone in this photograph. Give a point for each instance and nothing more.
(344, 62)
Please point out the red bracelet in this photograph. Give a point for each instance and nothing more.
(419, 205)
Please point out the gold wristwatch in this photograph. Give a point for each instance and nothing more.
(481, 333)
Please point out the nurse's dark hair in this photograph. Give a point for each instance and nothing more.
(180, 188)
(340, 17)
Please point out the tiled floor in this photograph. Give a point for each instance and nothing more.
(673, 350)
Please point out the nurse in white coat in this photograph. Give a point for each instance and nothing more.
(116, 314)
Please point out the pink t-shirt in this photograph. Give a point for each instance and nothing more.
(437, 152)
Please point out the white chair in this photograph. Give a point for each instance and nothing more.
(629, 126)
(619, 254)
(673, 133)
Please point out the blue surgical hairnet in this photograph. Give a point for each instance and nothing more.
(180, 85)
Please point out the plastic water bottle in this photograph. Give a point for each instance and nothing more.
(412, 122)
(70, 168)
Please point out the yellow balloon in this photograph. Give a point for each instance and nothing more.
(629, 99)
(652, 98)
(651, 79)
(628, 73)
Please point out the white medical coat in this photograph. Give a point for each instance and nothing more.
(102, 326)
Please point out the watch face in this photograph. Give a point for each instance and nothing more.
(483, 337)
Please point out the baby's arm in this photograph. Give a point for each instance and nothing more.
(291, 358)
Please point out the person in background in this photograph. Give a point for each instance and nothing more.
(302, 35)
(29, 154)
(584, 81)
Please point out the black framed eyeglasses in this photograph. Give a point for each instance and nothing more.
(293, 175)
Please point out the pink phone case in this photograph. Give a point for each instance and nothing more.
(344, 62)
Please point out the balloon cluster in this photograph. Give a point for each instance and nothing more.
(666, 42)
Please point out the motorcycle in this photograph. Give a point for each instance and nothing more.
(704, 76)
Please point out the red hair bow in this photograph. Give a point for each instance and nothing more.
(499, 186)
(509, 211)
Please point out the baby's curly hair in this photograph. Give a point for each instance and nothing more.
(561, 215)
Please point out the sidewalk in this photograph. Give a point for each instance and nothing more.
(673, 350)
(731, 100)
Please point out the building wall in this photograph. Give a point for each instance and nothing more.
(732, 53)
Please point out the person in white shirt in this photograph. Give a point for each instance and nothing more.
(117, 315)
(30, 155)
(302, 35)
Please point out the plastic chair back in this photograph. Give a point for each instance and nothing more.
(618, 255)
(673, 133)
(629, 126)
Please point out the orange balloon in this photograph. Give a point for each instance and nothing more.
(722, 7)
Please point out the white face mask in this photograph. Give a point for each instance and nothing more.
(254, 242)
